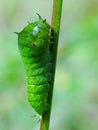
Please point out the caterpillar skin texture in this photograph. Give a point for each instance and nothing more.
(34, 46)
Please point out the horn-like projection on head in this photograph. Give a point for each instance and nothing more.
(16, 33)
(39, 16)
(44, 20)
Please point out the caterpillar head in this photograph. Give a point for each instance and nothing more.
(35, 35)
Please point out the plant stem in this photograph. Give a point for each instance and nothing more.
(56, 18)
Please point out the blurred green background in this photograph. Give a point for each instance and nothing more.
(75, 98)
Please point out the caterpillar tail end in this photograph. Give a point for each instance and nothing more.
(39, 108)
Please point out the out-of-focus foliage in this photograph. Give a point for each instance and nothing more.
(75, 99)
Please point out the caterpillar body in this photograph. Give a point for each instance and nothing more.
(34, 45)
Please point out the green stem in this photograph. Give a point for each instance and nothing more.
(56, 18)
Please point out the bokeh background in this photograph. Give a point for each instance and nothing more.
(75, 97)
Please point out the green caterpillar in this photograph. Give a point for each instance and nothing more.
(35, 48)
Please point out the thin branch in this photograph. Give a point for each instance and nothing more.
(56, 18)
